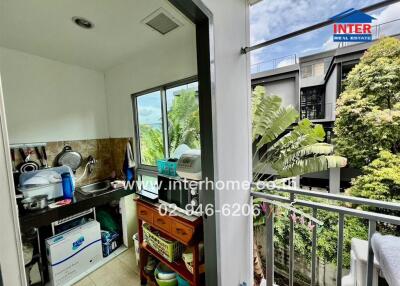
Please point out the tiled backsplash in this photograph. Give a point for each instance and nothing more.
(109, 154)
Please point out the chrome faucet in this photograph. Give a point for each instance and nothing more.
(91, 161)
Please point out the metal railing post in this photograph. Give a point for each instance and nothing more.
(291, 247)
(340, 250)
(370, 263)
(314, 250)
(269, 225)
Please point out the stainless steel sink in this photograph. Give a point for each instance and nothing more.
(95, 188)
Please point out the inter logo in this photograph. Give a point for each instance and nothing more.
(352, 26)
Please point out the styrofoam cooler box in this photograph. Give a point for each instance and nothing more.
(73, 252)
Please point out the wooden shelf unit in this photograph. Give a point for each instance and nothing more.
(189, 233)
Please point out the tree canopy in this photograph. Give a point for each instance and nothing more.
(290, 153)
(368, 110)
(183, 128)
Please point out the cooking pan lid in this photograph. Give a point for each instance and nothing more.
(69, 158)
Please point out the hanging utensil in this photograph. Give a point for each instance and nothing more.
(13, 160)
(70, 158)
(46, 164)
(39, 155)
(27, 165)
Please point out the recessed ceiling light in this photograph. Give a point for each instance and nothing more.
(82, 22)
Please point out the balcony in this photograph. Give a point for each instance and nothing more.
(288, 266)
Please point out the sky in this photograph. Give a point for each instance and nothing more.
(272, 18)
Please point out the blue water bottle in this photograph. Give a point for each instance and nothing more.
(68, 190)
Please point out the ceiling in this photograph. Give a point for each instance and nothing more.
(45, 28)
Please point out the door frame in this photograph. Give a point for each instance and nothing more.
(202, 17)
(11, 256)
(12, 259)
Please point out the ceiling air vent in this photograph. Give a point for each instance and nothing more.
(161, 21)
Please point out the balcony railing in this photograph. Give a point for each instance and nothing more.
(274, 63)
(332, 203)
(388, 28)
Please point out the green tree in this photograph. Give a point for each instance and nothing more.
(292, 153)
(380, 179)
(183, 128)
(184, 121)
(296, 152)
(368, 111)
(151, 144)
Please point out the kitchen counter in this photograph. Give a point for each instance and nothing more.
(80, 203)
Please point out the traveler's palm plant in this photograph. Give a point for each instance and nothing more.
(297, 152)
(293, 153)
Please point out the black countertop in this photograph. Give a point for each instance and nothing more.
(80, 203)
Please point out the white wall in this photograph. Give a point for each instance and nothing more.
(46, 100)
(154, 66)
(285, 89)
(330, 95)
(232, 136)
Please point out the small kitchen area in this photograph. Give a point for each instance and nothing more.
(82, 82)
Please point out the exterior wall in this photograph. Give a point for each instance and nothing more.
(312, 80)
(330, 96)
(285, 89)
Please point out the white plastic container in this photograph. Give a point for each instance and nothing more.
(52, 191)
(73, 252)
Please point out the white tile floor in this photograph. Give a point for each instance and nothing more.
(121, 271)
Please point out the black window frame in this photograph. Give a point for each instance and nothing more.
(149, 170)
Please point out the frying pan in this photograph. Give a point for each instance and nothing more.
(27, 165)
(70, 158)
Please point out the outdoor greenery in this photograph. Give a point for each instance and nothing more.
(293, 153)
(380, 179)
(183, 128)
(368, 123)
(368, 111)
(367, 132)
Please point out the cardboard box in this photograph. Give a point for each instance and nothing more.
(73, 252)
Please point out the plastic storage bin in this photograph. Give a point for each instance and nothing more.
(110, 242)
(166, 167)
(171, 250)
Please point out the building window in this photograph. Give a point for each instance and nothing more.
(165, 117)
(149, 119)
(317, 69)
(346, 69)
(183, 116)
(312, 102)
(307, 71)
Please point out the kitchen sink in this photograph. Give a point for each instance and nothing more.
(95, 188)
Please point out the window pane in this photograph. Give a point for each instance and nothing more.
(150, 128)
(183, 116)
(306, 71)
(319, 69)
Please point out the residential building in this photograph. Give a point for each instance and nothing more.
(312, 85)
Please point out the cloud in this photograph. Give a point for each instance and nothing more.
(389, 14)
(285, 62)
(272, 18)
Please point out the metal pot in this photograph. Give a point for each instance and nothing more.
(35, 203)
